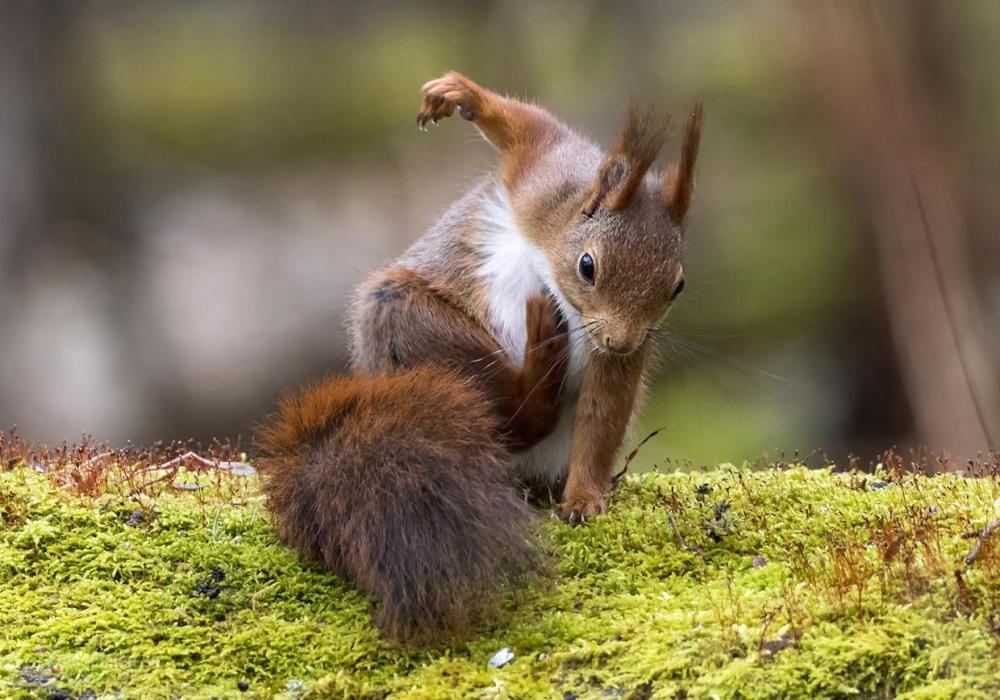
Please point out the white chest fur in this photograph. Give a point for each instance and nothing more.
(509, 270)
(515, 269)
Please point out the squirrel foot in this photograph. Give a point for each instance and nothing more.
(442, 96)
(547, 336)
(576, 509)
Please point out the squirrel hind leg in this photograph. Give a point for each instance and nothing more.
(535, 398)
(399, 321)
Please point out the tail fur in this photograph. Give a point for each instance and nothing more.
(398, 483)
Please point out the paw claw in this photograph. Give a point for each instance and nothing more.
(578, 509)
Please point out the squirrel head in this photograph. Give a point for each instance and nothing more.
(618, 262)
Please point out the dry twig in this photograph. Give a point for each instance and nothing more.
(980, 538)
(630, 456)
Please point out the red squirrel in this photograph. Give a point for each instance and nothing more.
(507, 346)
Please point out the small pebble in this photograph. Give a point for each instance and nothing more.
(502, 658)
(543, 656)
(759, 561)
(243, 686)
(878, 485)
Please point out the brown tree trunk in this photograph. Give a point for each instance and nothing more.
(896, 156)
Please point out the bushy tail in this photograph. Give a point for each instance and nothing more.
(397, 483)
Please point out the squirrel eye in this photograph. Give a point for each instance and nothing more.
(677, 290)
(587, 268)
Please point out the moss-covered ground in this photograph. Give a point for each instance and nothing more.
(727, 583)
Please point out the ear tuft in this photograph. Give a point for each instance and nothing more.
(625, 165)
(679, 188)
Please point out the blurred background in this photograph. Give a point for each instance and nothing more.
(189, 190)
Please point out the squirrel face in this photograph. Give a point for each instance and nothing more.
(619, 261)
(621, 270)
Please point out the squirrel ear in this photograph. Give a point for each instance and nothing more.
(623, 168)
(679, 187)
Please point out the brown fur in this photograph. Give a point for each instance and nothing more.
(395, 482)
(610, 391)
(678, 189)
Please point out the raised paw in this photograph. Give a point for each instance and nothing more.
(442, 96)
(577, 509)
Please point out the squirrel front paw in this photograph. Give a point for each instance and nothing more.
(442, 96)
(576, 509)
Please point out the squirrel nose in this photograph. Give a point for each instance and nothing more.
(619, 347)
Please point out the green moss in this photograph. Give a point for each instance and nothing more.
(853, 592)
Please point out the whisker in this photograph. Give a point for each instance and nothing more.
(712, 352)
(690, 360)
(562, 381)
(555, 338)
(560, 336)
(721, 336)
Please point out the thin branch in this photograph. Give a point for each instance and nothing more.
(980, 538)
(680, 538)
(630, 456)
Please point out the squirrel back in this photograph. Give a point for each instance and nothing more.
(396, 482)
